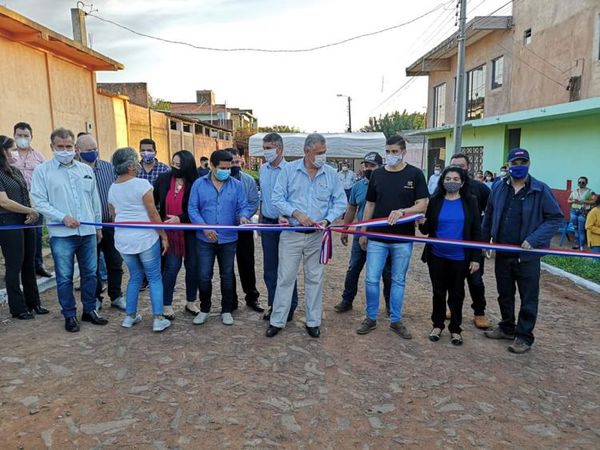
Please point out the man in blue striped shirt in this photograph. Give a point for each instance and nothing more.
(87, 152)
(151, 167)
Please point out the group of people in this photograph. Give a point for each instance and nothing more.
(81, 195)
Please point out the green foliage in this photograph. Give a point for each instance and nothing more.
(159, 103)
(252, 173)
(584, 267)
(391, 123)
(279, 129)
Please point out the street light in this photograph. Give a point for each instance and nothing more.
(349, 111)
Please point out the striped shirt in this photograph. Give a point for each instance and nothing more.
(13, 184)
(105, 177)
(157, 169)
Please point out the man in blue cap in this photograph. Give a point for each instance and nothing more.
(521, 211)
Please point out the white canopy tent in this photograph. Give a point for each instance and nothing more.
(339, 145)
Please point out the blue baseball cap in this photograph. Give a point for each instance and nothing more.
(518, 153)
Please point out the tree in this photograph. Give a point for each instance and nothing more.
(391, 123)
(159, 103)
(279, 129)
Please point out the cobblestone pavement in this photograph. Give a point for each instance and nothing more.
(213, 386)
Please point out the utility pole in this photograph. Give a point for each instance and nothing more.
(349, 111)
(459, 116)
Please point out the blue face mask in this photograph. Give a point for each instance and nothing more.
(235, 171)
(89, 156)
(518, 172)
(222, 174)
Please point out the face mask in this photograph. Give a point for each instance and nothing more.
(148, 157)
(222, 174)
(320, 160)
(518, 172)
(452, 186)
(581, 185)
(235, 171)
(502, 173)
(344, 169)
(436, 172)
(22, 142)
(90, 156)
(367, 174)
(488, 178)
(14, 155)
(270, 154)
(64, 157)
(392, 160)
(176, 172)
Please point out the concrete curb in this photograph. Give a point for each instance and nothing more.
(574, 278)
(44, 284)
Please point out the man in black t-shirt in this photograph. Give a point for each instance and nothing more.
(395, 190)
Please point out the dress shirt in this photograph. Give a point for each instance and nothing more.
(348, 178)
(105, 177)
(58, 191)
(358, 197)
(267, 175)
(251, 191)
(27, 164)
(207, 205)
(320, 198)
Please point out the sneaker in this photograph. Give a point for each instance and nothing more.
(227, 319)
(192, 308)
(200, 318)
(498, 333)
(119, 303)
(434, 336)
(130, 321)
(400, 329)
(519, 346)
(168, 312)
(160, 324)
(98, 305)
(482, 322)
(456, 338)
(343, 307)
(367, 326)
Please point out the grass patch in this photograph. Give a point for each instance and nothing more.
(584, 267)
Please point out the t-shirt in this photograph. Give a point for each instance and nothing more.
(396, 190)
(127, 200)
(451, 223)
(358, 197)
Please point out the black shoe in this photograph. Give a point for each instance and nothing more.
(314, 332)
(343, 307)
(272, 331)
(255, 306)
(93, 317)
(42, 272)
(39, 309)
(71, 324)
(290, 316)
(267, 315)
(24, 316)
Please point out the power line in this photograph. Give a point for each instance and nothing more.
(267, 50)
(524, 61)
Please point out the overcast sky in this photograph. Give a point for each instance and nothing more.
(289, 89)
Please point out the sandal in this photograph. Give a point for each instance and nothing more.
(456, 339)
(192, 308)
(168, 312)
(434, 336)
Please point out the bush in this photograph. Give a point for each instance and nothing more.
(584, 267)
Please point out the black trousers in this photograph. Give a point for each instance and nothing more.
(18, 248)
(477, 290)
(245, 262)
(447, 278)
(114, 265)
(511, 273)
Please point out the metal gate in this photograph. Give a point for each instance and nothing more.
(475, 155)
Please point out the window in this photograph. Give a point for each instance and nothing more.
(187, 128)
(527, 36)
(475, 93)
(514, 138)
(439, 105)
(207, 131)
(475, 155)
(497, 72)
(173, 125)
(574, 88)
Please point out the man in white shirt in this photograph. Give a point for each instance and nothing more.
(347, 178)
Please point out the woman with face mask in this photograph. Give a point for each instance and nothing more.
(130, 199)
(18, 246)
(172, 194)
(451, 214)
(581, 200)
(488, 178)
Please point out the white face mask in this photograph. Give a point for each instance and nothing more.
(14, 155)
(392, 160)
(22, 143)
(65, 157)
(320, 160)
(437, 172)
(270, 154)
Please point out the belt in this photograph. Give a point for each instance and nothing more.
(269, 220)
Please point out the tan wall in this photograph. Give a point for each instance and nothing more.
(24, 91)
(160, 134)
(139, 125)
(112, 124)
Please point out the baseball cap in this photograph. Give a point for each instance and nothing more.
(373, 158)
(518, 153)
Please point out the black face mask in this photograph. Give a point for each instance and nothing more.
(235, 171)
(176, 172)
(367, 174)
(581, 184)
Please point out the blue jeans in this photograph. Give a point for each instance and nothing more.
(578, 221)
(358, 258)
(225, 255)
(146, 263)
(377, 254)
(172, 267)
(270, 246)
(64, 251)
